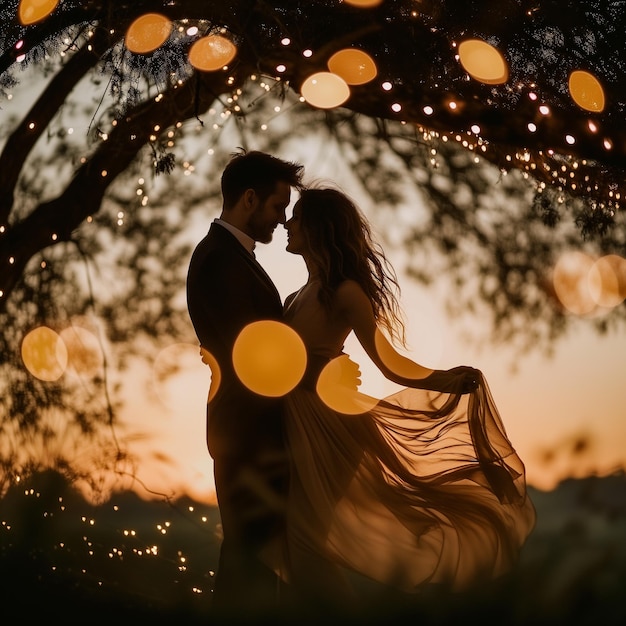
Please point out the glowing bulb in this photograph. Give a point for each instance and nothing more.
(483, 62)
(325, 90)
(147, 33)
(212, 53)
(354, 66)
(586, 91)
(31, 11)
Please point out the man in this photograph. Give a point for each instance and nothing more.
(226, 290)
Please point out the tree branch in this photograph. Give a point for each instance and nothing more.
(23, 138)
(55, 220)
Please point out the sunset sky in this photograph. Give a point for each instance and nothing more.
(565, 415)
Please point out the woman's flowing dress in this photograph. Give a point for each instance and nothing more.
(423, 488)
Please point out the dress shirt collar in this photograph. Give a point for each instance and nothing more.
(245, 240)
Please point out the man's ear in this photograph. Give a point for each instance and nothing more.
(250, 200)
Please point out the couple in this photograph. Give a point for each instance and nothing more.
(421, 488)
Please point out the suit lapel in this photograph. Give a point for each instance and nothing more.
(261, 272)
(230, 240)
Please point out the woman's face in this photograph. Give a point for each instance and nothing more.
(296, 243)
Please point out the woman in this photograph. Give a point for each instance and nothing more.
(420, 488)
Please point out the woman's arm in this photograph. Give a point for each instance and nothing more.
(354, 305)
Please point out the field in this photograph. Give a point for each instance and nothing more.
(130, 560)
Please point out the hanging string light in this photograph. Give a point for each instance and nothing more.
(482, 62)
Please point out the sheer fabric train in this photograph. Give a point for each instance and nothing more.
(424, 488)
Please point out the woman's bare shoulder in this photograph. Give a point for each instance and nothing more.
(349, 293)
(349, 287)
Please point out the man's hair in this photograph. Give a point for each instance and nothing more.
(259, 171)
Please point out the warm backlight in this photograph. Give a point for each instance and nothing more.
(212, 53)
(147, 33)
(586, 91)
(325, 90)
(44, 354)
(354, 66)
(31, 11)
(483, 62)
(269, 357)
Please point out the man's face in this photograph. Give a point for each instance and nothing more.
(269, 214)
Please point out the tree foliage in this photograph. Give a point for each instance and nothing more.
(102, 171)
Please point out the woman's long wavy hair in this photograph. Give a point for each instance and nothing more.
(340, 243)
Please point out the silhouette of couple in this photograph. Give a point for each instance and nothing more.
(419, 488)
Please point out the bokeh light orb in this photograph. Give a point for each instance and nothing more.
(354, 66)
(212, 53)
(83, 350)
(571, 282)
(269, 357)
(338, 389)
(148, 32)
(483, 62)
(44, 354)
(32, 11)
(586, 91)
(607, 280)
(325, 90)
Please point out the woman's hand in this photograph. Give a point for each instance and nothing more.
(471, 377)
(462, 379)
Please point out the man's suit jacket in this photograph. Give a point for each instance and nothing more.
(226, 290)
